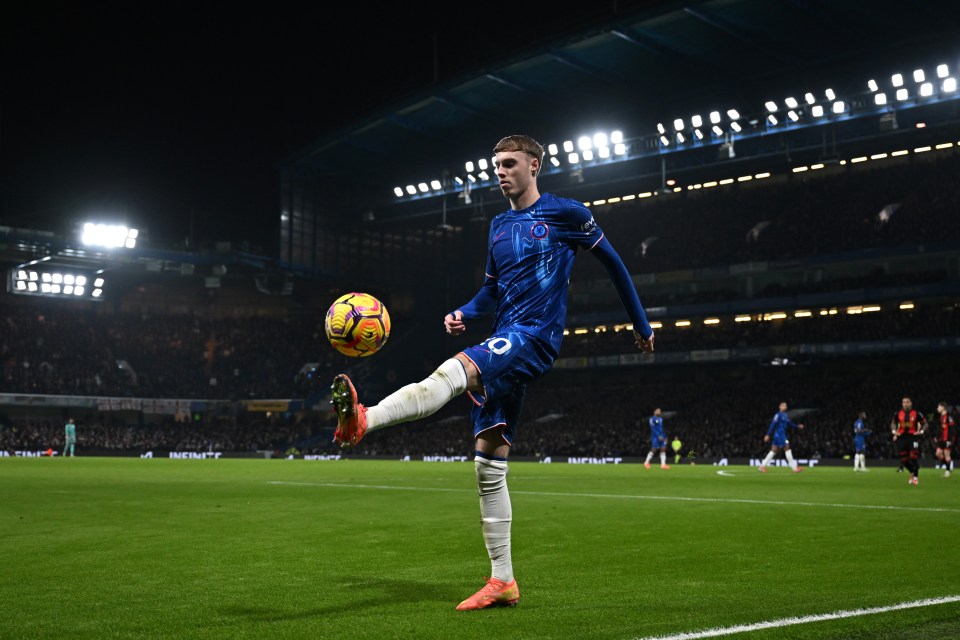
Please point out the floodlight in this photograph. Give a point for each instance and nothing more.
(435, 185)
(568, 146)
(599, 140)
(950, 85)
(573, 158)
(772, 119)
(717, 130)
(817, 111)
(838, 106)
(926, 89)
(902, 94)
(698, 133)
(897, 80)
(483, 175)
(397, 191)
(809, 98)
(587, 155)
(830, 94)
(696, 121)
(791, 103)
(468, 166)
(918, 76)
(620, 149)
(680, 137)
(793, 115)
(678, 124)
(552, 149)
(714, 117)
(482, 164)
(107, 235)
(880, 99)
(554, 161)
(872, 84)
(604, 152)
(733, 114)
(735, 126)
(584, 143)
(665, 141)
(771, 106)
(660, 128)
(423, 187)
(616, 137)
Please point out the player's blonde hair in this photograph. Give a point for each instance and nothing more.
(523, 143)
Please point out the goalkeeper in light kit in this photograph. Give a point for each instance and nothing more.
(530, 253)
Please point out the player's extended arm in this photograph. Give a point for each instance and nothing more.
(483, 303)
(620, 277)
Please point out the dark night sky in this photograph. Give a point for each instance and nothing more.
(174, 119)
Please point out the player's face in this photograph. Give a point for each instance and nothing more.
(907, 404)
(515, 172)
(783, 406)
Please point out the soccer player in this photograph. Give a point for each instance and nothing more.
(530, 253)
(945, 437)
(907, 426)
(69, 437)
(658, 440)
(676, 445)
(860, 433)
(777, 432)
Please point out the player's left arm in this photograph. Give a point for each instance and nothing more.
(620, 277)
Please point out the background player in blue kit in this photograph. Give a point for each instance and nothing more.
(860, 433)
(530, 253)
(658, 440)
(777, 433)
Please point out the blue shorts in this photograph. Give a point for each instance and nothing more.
(507, 361)
(780, 442)
(658, 442)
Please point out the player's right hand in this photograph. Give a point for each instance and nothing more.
(646, 346)
(453, 322)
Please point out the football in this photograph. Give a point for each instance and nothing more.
(357, 324)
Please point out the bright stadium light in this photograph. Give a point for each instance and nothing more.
(872, 84)
(108, 235)
(791, 103)
(880, 99)
(552, 149)
(52, 282)
(678, 124)
(696, 121)
(949, 85)
(568, 146)
(896, 80)
(902, 94)
(839, 106)
(942, 71)
(771, 106)
(919, 76)
(817, 111)
(714, 117)
(599, 140)
(584, 143)
(809, 98)
(926, 89)
(733, 114)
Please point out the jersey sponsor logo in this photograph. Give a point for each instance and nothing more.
(589, 225)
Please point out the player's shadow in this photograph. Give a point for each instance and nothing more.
(341, 597)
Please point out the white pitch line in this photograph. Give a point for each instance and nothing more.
(628, 497)
(787, 622)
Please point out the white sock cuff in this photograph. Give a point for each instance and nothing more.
(491, 474)
(452, 373)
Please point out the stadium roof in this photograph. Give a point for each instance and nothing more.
(648, 65)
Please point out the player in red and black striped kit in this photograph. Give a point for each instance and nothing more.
(907, 426)
(946, 436)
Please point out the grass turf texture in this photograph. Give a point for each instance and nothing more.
(130, 548)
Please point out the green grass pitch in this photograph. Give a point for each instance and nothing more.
(131, 548)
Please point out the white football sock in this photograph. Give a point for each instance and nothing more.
(766, 461)
(419, 399)
(663, 458)
(649, 457)
(790, 460)
(496, 515)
